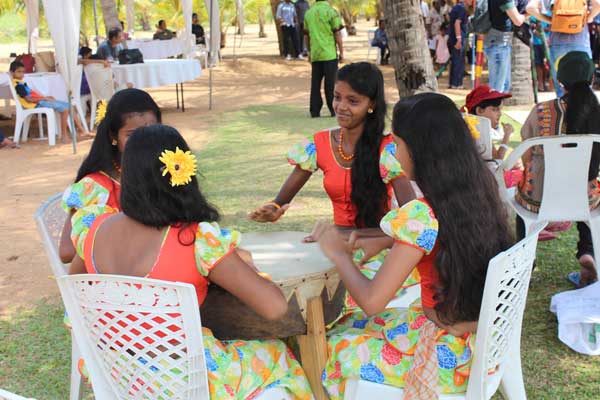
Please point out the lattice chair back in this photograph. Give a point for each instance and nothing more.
(5, 395)
(497, 356)
(50, 218)
(140, 338)
(100, 80)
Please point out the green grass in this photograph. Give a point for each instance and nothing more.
(243, 166)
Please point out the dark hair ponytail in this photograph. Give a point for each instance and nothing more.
(583, 117)
(369, 193)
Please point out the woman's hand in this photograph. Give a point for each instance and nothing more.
(246, 256)
(371, 246)
(331, 242)
(268, 213)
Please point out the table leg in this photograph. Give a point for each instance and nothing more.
(182, 101)
(313, 346)
(177, 92)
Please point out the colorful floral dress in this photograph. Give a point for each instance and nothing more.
(316, 153)
(236, 369)
(93, 189)
(381, 348)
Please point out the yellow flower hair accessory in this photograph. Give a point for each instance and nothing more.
(472, 122)
(101, 111)
(181, 165)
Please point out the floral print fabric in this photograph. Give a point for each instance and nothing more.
(389, 166)
(380, 349)
(84, 193)
(212, 244)
(304, 155)
(82, 221)
(413, 224)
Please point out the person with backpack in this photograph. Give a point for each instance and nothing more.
(497, 42)
(568, 21)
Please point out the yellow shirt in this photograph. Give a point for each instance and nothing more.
(26, 104)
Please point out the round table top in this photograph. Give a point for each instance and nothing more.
(153, 73)
(284, 256)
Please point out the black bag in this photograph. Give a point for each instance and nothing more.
(523, 33)
(130, 56)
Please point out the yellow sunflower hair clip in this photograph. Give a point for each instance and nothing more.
(101, 111)
(472, 122)
(181, 165)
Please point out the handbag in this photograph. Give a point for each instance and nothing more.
(131, 56)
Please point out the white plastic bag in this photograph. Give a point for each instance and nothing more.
(578, 314)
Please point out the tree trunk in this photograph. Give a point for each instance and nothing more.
(241, 22)
(274, 4)
(408, 46)
(522, 89)
(111, 16)
(261, 23)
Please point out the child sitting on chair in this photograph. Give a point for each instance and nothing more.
(29, 99)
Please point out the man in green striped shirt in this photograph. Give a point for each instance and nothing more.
(322, 26)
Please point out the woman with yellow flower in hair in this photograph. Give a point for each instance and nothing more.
(168, 230)
(98, 178)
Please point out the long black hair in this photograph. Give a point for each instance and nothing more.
(582, 116)
(461, 190)
(103, 156)
(146, 195)
(369, 193)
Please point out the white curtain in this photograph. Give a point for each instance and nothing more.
(130, 16)
(64, 19)
(189, 40)
(215, 29)
(32, 9)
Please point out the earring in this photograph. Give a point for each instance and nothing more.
(114, 142)
(370, 111)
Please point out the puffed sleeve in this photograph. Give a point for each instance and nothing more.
(413, 224)
(84, 193)
(304, 155)
(212, 244)
(82, 221)
(389, 166)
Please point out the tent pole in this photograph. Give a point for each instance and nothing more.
(96, 22)
(72, 124)
(210, 65)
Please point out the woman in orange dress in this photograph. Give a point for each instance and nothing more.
(98, 178)
(167, 230)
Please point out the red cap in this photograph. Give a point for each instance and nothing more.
(482, 93)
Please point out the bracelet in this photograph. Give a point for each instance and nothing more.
(272, 203)
(504, 146)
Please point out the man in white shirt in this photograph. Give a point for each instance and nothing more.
(287, 18)
(425, 14)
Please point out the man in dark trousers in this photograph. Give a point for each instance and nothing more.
(302, 7)
(322, 26)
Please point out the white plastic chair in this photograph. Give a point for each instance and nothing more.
(23, 118)
(370, 37)
(76, 97)
(498, 342)
(165, 360)
(102, 86)
(5, 395)
(50, 218)
(565, 195)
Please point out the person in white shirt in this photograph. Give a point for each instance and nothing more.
(287, 18)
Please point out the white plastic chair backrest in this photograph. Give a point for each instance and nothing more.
(370, 35)
(15, 96)
(140, 338)
(77, 76)
(501, 315)
(100, 80)
(484, 142)
(6, 395)
(50, 218)
(566, 168)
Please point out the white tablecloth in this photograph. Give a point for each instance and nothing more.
(152, 73)
(45, 83)
(157, 49)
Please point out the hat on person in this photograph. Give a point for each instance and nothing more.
(481, 94)
(575, 66)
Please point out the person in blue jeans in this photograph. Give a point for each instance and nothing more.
(562, 43)
(497, 43)
(456, 42)
(29, 99)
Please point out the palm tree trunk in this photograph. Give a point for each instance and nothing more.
(274, 4)
(408, 46)
(522, 89)
(261, 22)
(111, 16)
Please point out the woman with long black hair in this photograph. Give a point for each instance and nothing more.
(98, 178)
(449, 235)
(361, 175)
(576, 113)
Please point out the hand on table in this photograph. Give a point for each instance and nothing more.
(331, 242)
(268, 213)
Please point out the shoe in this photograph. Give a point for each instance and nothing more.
(288, 57)
(300, 57)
